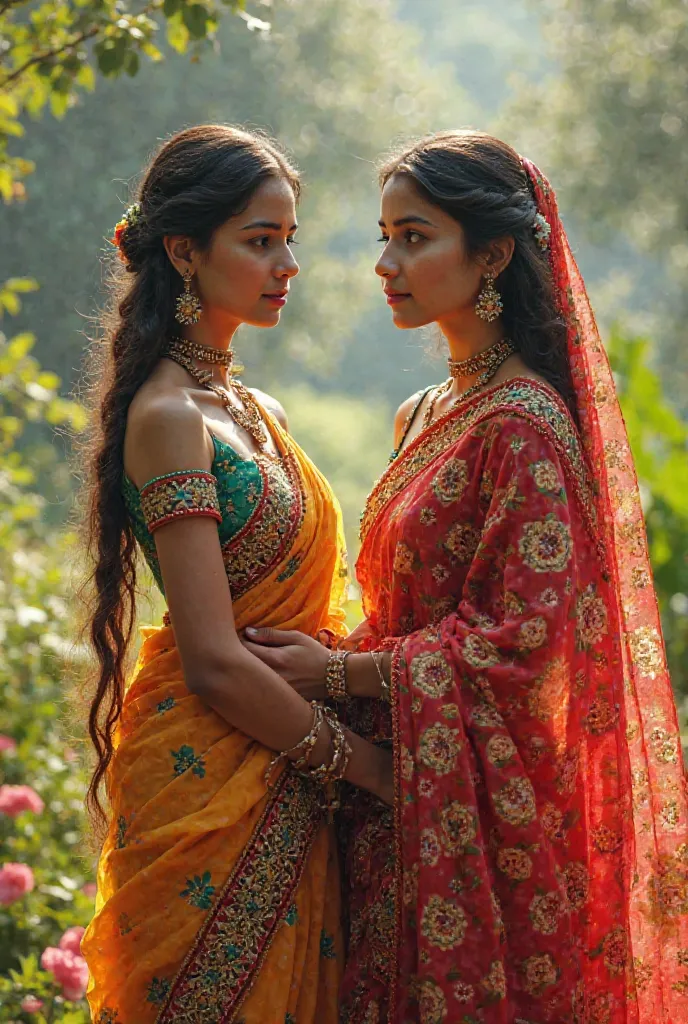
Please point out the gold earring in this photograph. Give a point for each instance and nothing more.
(189, 306)
(489, 305)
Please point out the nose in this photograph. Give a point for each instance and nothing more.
(288, 267)
(386, 267)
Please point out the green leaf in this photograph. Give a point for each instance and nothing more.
(195, 18)
(171, 7)
(110, 55)
(21, 284)
(131, 64)
(177, 33)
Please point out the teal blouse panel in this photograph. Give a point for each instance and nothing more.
(240, 486)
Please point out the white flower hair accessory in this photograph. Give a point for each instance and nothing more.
(542, 231)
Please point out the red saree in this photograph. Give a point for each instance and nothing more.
(535, 869)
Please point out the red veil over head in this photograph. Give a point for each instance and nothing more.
(657, 836)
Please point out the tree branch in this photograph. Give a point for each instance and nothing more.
(4, 7)
(51, 54)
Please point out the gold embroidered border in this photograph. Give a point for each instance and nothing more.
(533, 401)
(266, 538)
(232, 944)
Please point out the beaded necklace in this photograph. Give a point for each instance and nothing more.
(184, 352)
(486, 363)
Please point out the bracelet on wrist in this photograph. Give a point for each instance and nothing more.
(385, 688)
(303, 748)
(335, 675)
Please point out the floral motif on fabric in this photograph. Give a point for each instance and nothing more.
(186, 760)
(546, 546)
(199, 892)
(177, 495)
(253, 903)
(443, 923)
(431, 675)
(450, 481)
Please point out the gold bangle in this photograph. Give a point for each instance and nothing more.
(335, 675)
(385, 686)
(304, 746)
(329, 775)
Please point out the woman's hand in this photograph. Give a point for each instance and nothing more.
(299, 659)
(356, 637)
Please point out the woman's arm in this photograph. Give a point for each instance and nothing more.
(169, 436)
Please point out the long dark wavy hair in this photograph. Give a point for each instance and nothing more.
(198, 179)
(481, 182)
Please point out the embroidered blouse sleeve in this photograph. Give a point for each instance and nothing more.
(189, 492)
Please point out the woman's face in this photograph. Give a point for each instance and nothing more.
(427, 274)
(245, 276)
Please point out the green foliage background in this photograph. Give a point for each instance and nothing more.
(595, 92)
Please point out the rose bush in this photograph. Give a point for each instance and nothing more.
(46, 868)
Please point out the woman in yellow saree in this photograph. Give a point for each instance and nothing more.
(218, 887)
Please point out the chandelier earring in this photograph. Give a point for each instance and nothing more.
(489, 305)
(188, 304)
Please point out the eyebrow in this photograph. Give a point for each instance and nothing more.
(272, 225)
(408, 220)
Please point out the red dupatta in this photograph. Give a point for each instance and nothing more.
(541, 825)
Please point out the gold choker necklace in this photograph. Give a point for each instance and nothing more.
(202, 353)
(249, 418)
(488, 360)
(485, 364)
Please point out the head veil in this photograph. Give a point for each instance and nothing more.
(656, 836)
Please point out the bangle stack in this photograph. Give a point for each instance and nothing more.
(335, 675)
(328, 774)
(385, 688)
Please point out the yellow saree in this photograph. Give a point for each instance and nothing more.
(218, 901)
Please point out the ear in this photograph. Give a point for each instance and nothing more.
(179, 249)
(496, 256)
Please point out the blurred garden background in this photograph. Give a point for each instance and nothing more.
(595, 91)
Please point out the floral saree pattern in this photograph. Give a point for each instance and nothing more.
(537, 866)
(535, 869)
(218, 901)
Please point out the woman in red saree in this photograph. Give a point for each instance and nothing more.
(535, 866)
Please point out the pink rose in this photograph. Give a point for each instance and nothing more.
(15, 799)
(30, 1004)
(7, 744)
(71, 940)
(89, 889)
(69, 970)
(15, 881)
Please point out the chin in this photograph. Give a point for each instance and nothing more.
(408, 323)
(265, 320)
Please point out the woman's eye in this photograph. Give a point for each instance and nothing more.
(413, 236)
(261, 242)
(383, 238)
(292, 241)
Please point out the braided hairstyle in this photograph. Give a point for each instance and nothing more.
(200, 177)
(481, 182)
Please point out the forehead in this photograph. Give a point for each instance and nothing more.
(400, 197)
(401, 200)
(274, 201)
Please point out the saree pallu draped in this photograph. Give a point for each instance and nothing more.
(218, 901)
(536, 865)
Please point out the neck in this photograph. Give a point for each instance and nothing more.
(211, 331)
(467, 336)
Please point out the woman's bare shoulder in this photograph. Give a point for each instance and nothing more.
(165, 432)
